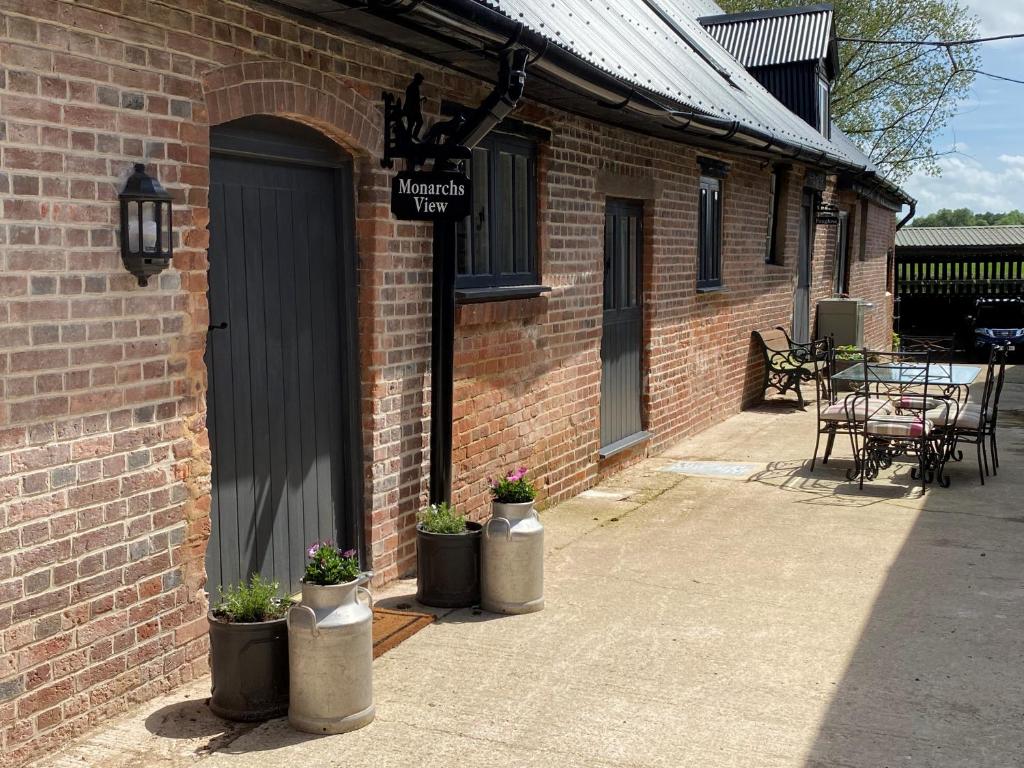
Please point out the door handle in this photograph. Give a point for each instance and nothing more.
(218, 327)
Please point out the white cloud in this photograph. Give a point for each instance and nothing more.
(998, 17)
(966, 183)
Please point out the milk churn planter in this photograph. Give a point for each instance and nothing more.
(447, 558)
(330, 645)
(249, 652)
(512, 549)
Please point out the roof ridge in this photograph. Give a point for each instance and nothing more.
(769, 13)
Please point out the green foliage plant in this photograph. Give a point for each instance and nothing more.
(329, 565)
(513, 488)
(965, 217)
(252, 601)
(849, 352)
(441, 518)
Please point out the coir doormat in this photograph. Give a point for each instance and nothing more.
(392, 627)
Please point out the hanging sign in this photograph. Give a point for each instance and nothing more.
(430, 196)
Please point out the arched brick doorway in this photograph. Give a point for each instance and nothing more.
(283, 396)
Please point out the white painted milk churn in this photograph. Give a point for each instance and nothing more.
(330, 659)
(512, 560)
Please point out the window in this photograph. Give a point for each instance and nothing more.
(709, 234)
(497, 244)
(862, 222)
(841, 267)
(824, 114)
(775, 239)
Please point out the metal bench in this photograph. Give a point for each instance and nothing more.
(787, 364)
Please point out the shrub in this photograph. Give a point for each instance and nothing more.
(329, 565)
(250, 602)
(514, 488)
(441, 518)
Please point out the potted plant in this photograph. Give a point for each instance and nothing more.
(512, 548)
(846, 356)
(249, 652)
(330, 645)
(447, 558)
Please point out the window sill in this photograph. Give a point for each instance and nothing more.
(502, 309)
(713, 289)
(500, 293)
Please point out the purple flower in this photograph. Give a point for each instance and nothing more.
(313, 549)
(349, 553)
(517, 475)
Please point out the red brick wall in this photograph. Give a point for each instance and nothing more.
(104, 458)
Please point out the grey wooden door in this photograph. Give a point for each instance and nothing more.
(282, 371)
(622, 338)
(801, 328)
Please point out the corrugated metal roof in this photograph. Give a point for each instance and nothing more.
(764, 39)
(1000, 236)
(628, 39)
(848, 146)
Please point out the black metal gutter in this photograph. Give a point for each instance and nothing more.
(903, 222)
(474, 19)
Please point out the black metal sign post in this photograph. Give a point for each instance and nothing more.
(442, 195)
(442, 355)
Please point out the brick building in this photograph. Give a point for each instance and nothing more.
(292, 331)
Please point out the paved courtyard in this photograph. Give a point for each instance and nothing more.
(776, 617)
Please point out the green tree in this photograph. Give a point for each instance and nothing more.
(893, 100)
(944, 217)
(964, 217)
(1011, 217)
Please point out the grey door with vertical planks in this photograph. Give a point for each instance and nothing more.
(281, 403)
(622, 337)
(801, 328)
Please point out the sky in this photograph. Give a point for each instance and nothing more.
(986, 173)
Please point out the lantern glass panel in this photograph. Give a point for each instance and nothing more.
(165, 228)
(149, 227)
(133, 227)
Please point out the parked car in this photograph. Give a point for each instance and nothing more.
(998, 321)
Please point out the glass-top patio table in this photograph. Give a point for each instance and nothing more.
(954, 381)
(939, 374)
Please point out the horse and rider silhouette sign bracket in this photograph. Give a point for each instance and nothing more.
(440, 194)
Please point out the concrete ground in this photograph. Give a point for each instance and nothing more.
(779, 618)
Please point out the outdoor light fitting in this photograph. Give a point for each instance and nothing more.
(145, 225)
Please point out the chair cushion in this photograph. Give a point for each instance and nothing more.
(899, 426)
(865, 408)
(968, 418)
(917, 403)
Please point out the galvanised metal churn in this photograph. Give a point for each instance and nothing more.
(512, 560)
(330, 659)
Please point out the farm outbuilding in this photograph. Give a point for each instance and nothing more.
(941, 272)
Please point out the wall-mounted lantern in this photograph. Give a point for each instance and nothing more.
(145, 225)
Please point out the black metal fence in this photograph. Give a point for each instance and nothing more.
(963, 275)
(937, 292)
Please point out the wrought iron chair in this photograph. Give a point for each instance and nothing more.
(881, 437)
(976, 423)
(990, 422)
(941, 348)
(787, 364)
(835, 415)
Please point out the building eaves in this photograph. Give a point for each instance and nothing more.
(619, 63)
